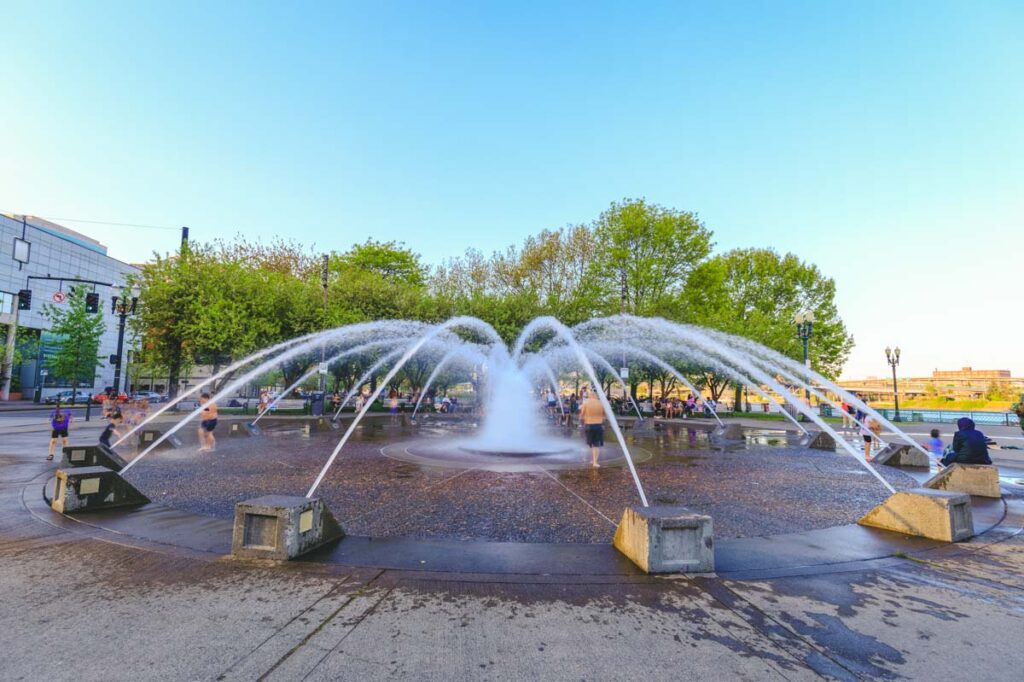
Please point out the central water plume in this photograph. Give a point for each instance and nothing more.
(511, 421)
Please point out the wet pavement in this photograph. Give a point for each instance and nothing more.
(80, 605)
(765, 485)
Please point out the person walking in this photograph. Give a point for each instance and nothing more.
(867, 432)
(592, 419)
(207, 443)
(114, 421)
(60, 421)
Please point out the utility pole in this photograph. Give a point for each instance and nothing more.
(623, 370)
(323, 348)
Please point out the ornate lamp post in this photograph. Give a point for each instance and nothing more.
(804, 329)
(893, 358)
(122, 306)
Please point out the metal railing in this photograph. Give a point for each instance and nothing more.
(950, 416)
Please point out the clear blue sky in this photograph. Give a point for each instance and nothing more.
(883, 141)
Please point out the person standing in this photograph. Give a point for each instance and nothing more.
(207, 443)
(60, 421)
(574, 408)
(592, 418)
(393, 404)
(1019, 410)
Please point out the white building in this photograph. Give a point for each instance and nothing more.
(46, 258)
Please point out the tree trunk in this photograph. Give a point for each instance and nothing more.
(174, 373)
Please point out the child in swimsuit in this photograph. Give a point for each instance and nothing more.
(207, 442)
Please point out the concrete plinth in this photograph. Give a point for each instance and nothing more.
(972, 479)
(282, 527)
(666, 540)
(896, 455)
(925, 513)
(87, 489)
(238, 430)
(317, 424)
(818, 440)
(91, 456)
(149, 436)
(730, 432)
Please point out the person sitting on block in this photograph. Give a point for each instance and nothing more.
(969, 445)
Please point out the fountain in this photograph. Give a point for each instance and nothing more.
(511, 435)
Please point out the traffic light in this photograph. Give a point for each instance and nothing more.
(92, 302)
(25, 299)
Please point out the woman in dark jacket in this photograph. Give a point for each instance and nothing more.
(969, 446)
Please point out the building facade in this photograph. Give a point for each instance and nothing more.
(965, 384)
(47, 259)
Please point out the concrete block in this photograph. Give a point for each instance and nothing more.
(317, 424)
(282, 527)
(666, 539)
(925, 513)
(239, 430)
(730, 431)
(91, 456)
(85, 489)
(818, 440)
(149, 436)
(973, 479)
(897, 455)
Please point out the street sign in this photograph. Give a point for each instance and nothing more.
(323, 368)
(59, 297)
(44, 372)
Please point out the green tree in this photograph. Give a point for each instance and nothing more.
(213, 303)
(645, 255)
(79, 332)
(756, 293)
(388, 260)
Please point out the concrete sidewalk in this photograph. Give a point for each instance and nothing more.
(77, 607)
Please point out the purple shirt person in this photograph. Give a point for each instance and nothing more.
(60, 420)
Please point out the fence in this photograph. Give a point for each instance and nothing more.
(950, 416)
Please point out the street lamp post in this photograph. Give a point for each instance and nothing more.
(804, 329)
(893, 358)
(122, 306)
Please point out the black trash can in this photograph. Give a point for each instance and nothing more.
(316, 404)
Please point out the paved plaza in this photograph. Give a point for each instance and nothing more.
(82, 601)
